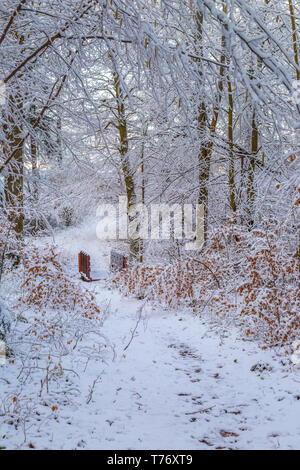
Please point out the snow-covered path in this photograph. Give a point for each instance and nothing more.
(184, 382)
(180, 385)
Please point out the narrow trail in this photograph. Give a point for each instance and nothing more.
(181, 385)
(182, 382)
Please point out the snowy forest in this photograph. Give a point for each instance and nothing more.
(180, 121)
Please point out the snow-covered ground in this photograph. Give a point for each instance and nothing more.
(180, 382)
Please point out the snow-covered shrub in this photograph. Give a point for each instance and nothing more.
(153, 283)
(258, 282)
(35, 224)
(59, 313)
(66, 215)
(269, 292)
(180, 283)
(47, 286)
(55, 317)
(251, 277)
(192, 280)
(5, 322)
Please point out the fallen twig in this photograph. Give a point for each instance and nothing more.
(140, 310)
(201, 411)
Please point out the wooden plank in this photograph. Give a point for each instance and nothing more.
(84, 266)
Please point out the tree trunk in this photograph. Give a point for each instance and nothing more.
(294, 29)
(14, 181)
(251, 172)
(204, 156)
(34, 150)
(141, 248)
(59, 142)
(127, 173)
(231, 174)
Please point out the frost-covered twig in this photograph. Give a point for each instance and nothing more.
(140, 310)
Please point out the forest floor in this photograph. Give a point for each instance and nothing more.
(178, 382)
